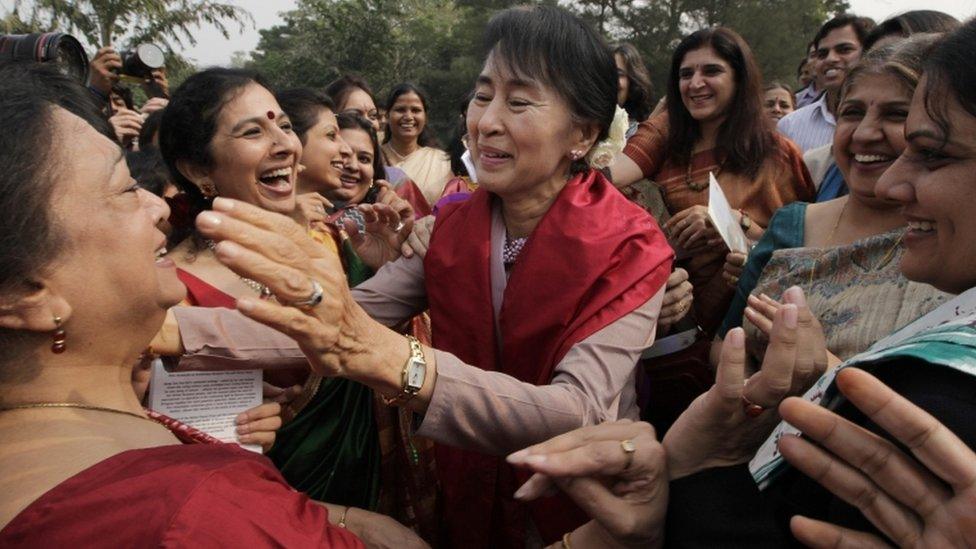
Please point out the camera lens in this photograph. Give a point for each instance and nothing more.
(141, 61)
(49, 47)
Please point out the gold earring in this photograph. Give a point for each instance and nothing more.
(58, 337)
(208, 189)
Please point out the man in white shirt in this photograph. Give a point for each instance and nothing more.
(839, 45)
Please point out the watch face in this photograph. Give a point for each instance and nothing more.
(416, 374)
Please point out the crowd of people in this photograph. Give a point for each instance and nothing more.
(459, 345)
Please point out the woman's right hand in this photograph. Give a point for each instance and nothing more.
(625, 493)
(726, 425)
(272, 249)
(419, 238)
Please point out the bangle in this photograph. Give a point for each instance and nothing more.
(342, 518)
(566, 544)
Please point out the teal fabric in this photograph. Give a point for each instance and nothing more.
(785, 230)
(951, 345)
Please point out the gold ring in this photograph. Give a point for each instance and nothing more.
(628, 447)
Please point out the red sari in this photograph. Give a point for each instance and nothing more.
(593, 258)
(183, 495)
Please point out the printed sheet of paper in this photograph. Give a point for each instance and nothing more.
(723, 219)
(206, 400)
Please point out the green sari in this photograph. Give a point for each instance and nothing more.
(331, 449)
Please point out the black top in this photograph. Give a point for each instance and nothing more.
(722, 507)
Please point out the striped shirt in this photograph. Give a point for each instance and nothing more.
(806, 96)
(809, 127)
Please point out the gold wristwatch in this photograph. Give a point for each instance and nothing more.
(413, 375)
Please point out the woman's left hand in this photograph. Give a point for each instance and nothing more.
(314, 208)
(383, 237)
(726, 425)
(259, 425)
(760, 311)
(691, 228)
(925, 501)
(678, 297)
(625, 493)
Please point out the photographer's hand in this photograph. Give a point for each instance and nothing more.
(158, 85)
(104, 70)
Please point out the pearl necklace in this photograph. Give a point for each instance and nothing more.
(261, 289)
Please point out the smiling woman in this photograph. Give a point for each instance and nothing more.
(505, 372)
(409, 143)
(82, 461)
(844, 253)
(714, 124)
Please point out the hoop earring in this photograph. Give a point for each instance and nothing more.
(58, 336)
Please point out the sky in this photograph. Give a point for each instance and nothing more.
(214, 49)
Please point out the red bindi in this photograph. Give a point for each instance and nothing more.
(271, 115)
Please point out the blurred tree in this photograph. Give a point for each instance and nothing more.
(776, 30)
(427, 42)
(168, 23)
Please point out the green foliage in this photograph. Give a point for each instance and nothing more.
(776, 30)
(437, 43)
(168, 23)
(431, 43)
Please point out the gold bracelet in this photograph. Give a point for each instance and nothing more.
(566, 544)
(342, 518)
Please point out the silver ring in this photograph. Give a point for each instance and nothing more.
(399, 226)
(313, 299)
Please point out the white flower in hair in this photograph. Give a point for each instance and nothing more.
(603, 153)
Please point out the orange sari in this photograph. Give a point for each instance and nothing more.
(782, 179)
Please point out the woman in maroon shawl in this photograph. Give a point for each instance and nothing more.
(83, 289)
(544, 286)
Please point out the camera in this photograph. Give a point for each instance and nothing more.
(59, 48)
(139, 62)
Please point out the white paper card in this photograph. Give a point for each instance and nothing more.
(206, 400)
(723, 219)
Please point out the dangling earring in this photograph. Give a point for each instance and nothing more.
(59, 336)
(576, 154)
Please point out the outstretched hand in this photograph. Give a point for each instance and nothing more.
(389, 222)
(334, 333)
(928, 501)
(726, 425)
(626, 494)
